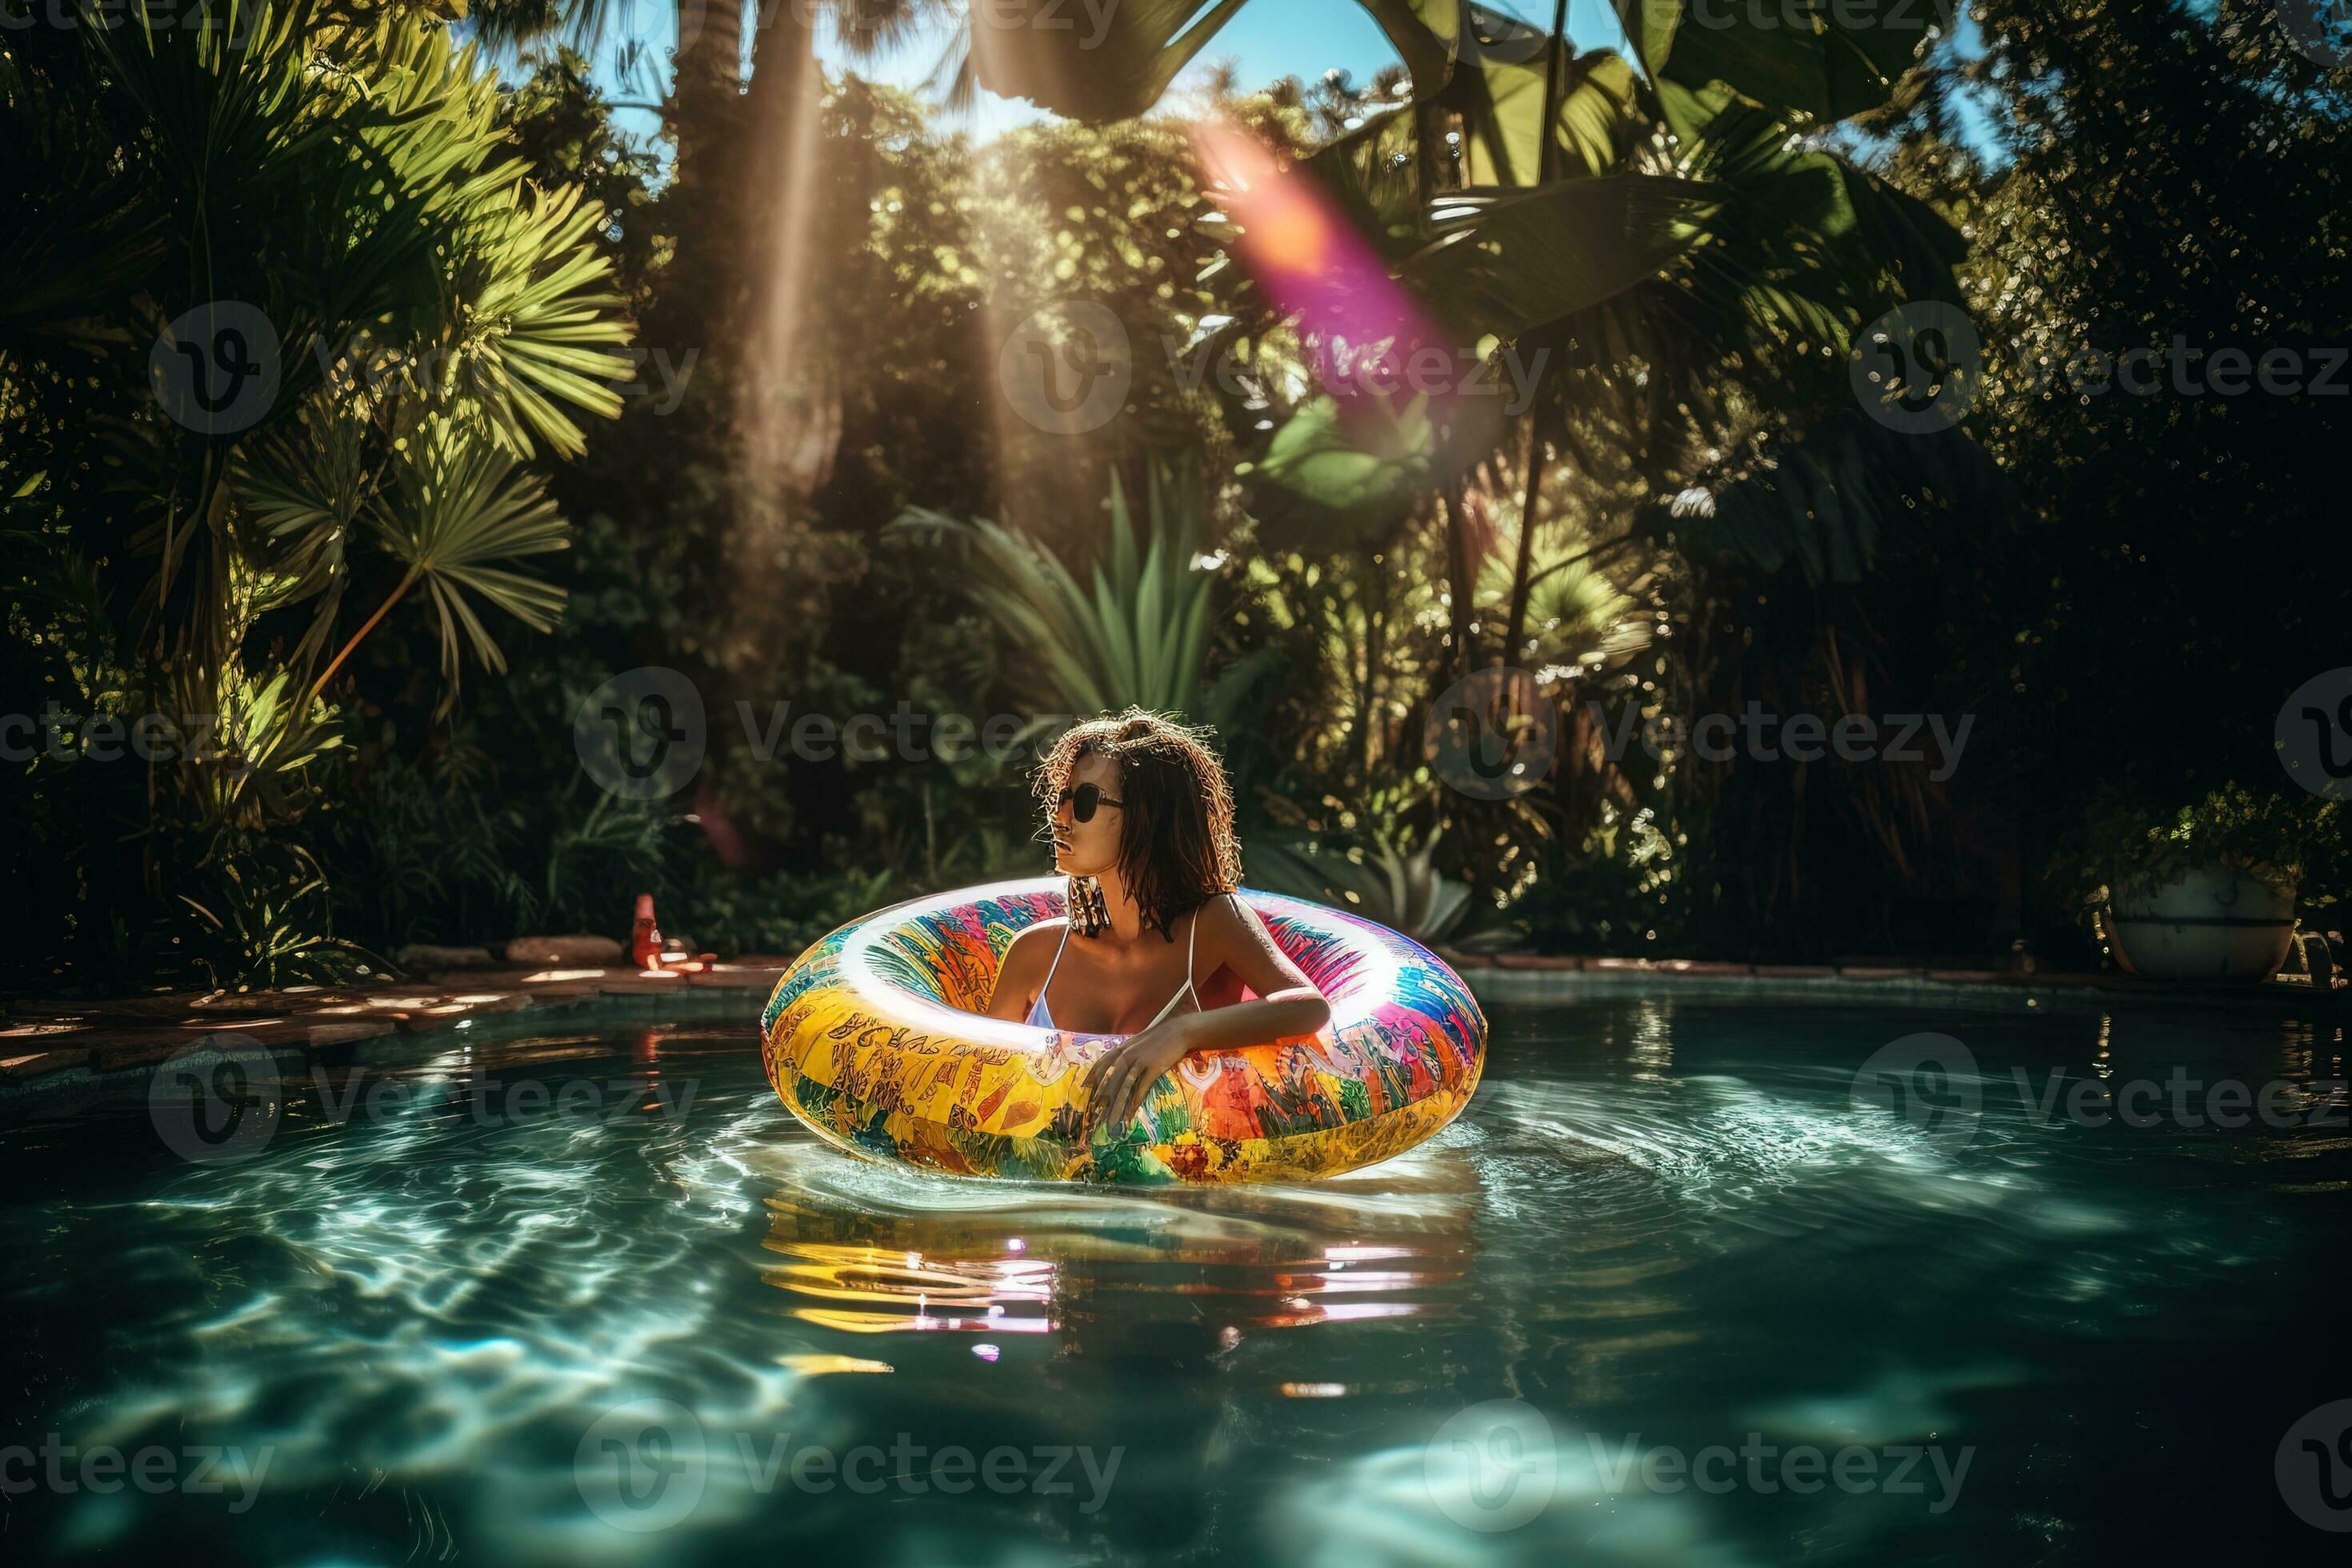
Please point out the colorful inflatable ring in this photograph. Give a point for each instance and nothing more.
(873, 1039)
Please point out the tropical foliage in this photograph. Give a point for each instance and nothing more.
(301, 327)
(1137, 635)
(548, 404)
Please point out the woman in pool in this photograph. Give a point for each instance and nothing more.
(1143, 827)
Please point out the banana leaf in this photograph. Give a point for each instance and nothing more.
(1823, 60)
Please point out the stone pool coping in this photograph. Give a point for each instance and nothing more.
(77, 1051)
(1534, 978)
(54, 1053)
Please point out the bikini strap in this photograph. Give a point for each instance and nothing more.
(1191, 945)
(1053, 966)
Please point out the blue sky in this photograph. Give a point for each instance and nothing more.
(1268, 39)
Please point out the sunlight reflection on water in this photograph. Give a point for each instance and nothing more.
(1655, 1225)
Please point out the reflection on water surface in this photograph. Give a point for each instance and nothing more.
(448, 1286)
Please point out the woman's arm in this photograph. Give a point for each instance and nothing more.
(1288, 1007)
(1287, 1004)
(1023, 971)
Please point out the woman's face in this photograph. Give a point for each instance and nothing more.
(1090, 848)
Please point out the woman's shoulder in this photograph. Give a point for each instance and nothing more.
(1041, 936)
(1224, 915)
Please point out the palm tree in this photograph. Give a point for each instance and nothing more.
(296, 328)
(707, 61)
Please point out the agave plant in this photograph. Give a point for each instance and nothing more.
(1393, 883)
(259, 920)
(1136, 635)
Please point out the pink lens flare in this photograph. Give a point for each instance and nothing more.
(1302, 249)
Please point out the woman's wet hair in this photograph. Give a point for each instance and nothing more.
(1176, 844)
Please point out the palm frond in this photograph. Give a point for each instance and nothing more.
(463, 506)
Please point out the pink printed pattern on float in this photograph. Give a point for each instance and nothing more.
(871, 1040)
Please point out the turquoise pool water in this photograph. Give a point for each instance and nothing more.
(1671, 1292)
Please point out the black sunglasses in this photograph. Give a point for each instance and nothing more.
(1083, 800)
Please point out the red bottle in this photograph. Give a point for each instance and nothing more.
(646, 940)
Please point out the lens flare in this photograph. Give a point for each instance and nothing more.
(1301, 248)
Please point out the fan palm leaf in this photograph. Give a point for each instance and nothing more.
(464, 507)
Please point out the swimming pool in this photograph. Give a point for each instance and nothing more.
(1674, 1290)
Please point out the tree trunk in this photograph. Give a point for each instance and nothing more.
(707, 79)
(1463, 568)
(1522, 584)
(1532, 498)
(777, 204)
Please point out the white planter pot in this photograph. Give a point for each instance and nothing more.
(2210, 923)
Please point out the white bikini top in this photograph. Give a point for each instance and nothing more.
(1041, 1016)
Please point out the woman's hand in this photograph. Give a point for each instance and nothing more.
(1121, 1078)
